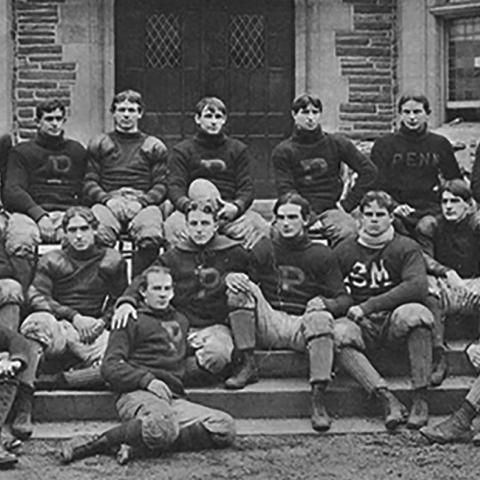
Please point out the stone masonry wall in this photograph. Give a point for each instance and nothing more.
(367, 55)
(40, 71)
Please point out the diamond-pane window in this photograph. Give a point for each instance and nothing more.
(247, 41)
(163, 47)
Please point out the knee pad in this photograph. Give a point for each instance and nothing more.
(409, 316)
(240, 300)
(10, 292)
(202, 189)
(317, 324)
(159, 430)
(348, 334)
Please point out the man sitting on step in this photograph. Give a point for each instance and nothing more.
(386, 276)
(450, 243)
(458, 427)
(203, 265)
(71, 291)
(15, 373)
(144, 364)
(299, 293)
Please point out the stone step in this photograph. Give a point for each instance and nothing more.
(269, 398)
(284, 363)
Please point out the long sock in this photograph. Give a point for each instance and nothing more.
(420, 355)
(242, 323)
(320, 353)
(360, 368)
(438, 330)
(466, 413)
(129, 432)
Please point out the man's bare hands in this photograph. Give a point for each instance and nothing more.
(47, 229)
(122, 314)
(88, 327)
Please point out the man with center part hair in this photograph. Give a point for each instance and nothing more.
(145, 364)
(126, 181)
(296, 292)
(203, 266)
(310, 163)
(450, 242)
(213, 166)
(44, 177)
(71, 293)
(412, 161)
(386, 276)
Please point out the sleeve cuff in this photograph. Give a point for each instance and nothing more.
(145, 380)
(36, 212)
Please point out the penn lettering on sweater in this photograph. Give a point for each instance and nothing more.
(410, 165)
(309, 163)
(383, 279)
(450, 245)
(292, 272)
(199, 275)
(68, 282)
(133, 160)
(152, 347)
(222, 160)
(44, 174)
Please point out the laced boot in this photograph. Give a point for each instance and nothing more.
(82, 447)
(440, 367)
(22, 426)
(8, 390)
(245, 371)
(456, 428)
(321, 420)
(419, 412)
(395, 412)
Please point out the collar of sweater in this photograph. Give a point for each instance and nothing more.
(127, 136)
(49, 142)
(413, 135)
(164, 315)
(207, 140)
(300, 242)
(301, 135)
(92, 252)
(375, 242)
(218, 242)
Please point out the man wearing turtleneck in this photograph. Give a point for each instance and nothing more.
(212, 165)
(126, 181)
(297, 290)
(310, 163)
(44, 177)
(386, 276)
(411, 161)
(450, 244)
(204, 265)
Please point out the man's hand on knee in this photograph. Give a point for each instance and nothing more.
(238, 282)
(132, 208)
(355, 313)
(160, 389)
(122, 315)
(88, 327)
(47, 229)
(473, 354)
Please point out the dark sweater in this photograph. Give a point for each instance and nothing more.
(44, 174)
(68, 282)
(152, 347)
(15, 344)
(409, 165)
(199, 276)
(309, 163)
(450, 245)
(383, 279)
(218, 158)
(133, 160)
(292, 272)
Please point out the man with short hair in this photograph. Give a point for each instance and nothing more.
(44, 177)
(203, 266)
(126, 181)
(386, 276)
(411, 161)
(213, 166)
(450, 242)
(299, 293)
(145, 365)
(70, 295)
(310, 163)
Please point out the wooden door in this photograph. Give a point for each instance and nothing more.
(177, 51)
